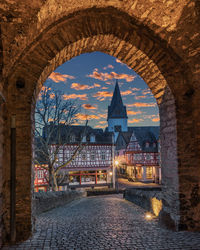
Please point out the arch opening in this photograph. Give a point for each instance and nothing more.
(133, 44)
(90, 79)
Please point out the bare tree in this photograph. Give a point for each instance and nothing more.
(53, 118)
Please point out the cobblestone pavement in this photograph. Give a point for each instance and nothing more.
(105, 222)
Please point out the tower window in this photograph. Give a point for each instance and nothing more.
(118, 128)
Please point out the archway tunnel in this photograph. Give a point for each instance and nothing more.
(137, 44)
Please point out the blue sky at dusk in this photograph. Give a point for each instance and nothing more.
(90, 79)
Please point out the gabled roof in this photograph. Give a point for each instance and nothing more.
(76, 132)
(125, 137)
(116, 108)
(148, 134)
(155, 130)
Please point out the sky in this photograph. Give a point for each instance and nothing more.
(90, 80)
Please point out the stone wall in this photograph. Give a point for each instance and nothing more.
(148, 198)
(45, 201)
(157, 39)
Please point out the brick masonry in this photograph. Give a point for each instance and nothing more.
(159, 40)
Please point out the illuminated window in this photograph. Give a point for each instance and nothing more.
(40, 174)
(149, 172)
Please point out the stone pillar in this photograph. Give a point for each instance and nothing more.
(170, 214)
(2, 105)
(20, 106)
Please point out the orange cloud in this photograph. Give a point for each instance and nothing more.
(97, 85)
(135, 120)
(101, 95)
(127, 92)
(52, 95)
(147, 92)
(79, 86)
(141, 104)
(75, 96)
(104, 88)
(58, 77)
(88, 106)
(118, 61)
(109, 67)
(102, 115)
(156, 119)
(100, 126)
(130, 112)
(102, 122)
(108, 76)
(140, 97)
(135, 89)
(153, 118)
(87, 117)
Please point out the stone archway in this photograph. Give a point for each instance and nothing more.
(112, 31)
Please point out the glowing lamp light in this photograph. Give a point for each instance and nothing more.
(110, 173)
(148, 216)
(116, 163)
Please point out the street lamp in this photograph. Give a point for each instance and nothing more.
(116, 176)
(115, 164)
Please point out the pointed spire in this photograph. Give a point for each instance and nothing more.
(116, 108)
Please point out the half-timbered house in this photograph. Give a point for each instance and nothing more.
(40, 178)
(140, 153)
(92, 166)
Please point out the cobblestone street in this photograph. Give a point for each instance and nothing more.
(104, 222)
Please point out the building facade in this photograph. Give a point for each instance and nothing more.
(91, 166)
(138, 155)
(41, 176)
(142, 155)
(136, 148)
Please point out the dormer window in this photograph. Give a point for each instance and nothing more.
(72, 139)
(92, 138)
(84, 138)
(154, 145)
(147, 145)
(118, 128)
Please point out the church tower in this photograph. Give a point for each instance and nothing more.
(117, 116)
